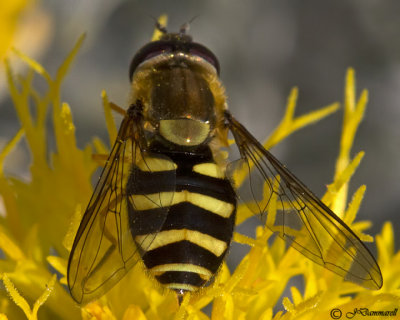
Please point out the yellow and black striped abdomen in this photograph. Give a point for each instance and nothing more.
(197, 230)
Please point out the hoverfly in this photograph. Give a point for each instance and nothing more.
(164, 198)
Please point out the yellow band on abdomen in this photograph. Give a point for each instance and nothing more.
(163, 238)
(209, 169)
(184, 267)
(163, 199)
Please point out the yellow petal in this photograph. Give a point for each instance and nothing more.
(110, 123)
(58, 263)
(354, 205)
(10, 146)
(16, 297)
(33, 64)
(9, 247)
(162, 20)
(133, 312)
(42, 299)
(73, 228)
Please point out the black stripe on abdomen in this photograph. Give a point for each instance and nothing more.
(183, 252)
(144, 182)
(190, 278)
(183, 215)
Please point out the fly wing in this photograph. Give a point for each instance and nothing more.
(104, 248)
(298, 216)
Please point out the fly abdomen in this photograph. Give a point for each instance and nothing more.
(187, 248)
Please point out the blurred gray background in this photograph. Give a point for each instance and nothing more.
(265, 48)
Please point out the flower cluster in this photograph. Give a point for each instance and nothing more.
(43, 214)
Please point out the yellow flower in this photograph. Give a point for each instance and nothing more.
(25, 25)
(37, 232)
(10, 12)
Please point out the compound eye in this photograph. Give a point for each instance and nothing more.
(149, 51)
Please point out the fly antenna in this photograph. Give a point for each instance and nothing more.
(186, 26)
(160, 27)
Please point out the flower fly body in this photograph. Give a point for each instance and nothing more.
(166, 198)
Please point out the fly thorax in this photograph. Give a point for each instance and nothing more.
(179, 102)
(182, 102)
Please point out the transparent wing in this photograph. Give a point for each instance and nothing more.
(297, 215)
(104, 248)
